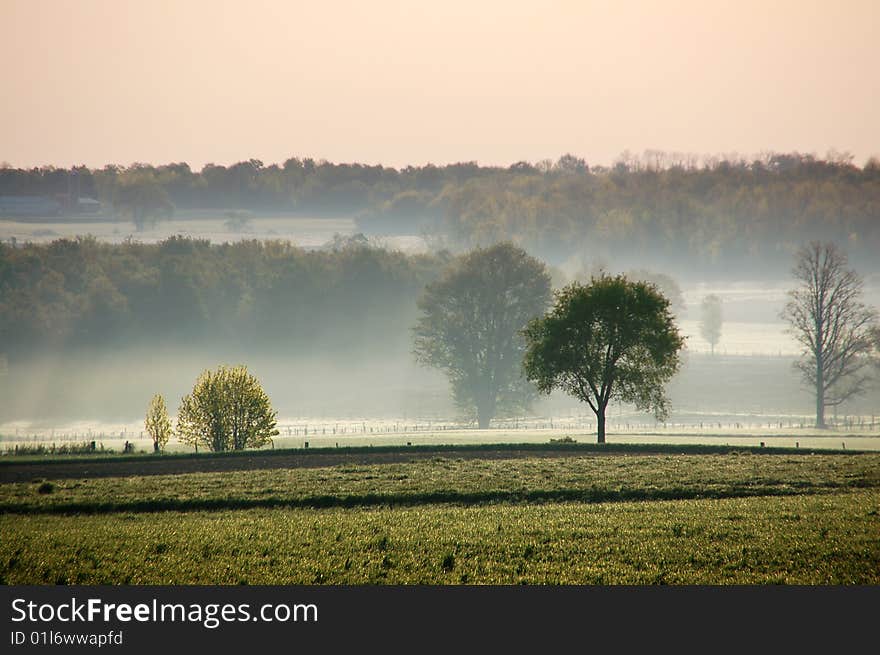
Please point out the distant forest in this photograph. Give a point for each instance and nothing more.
(717, 212)
(82, 293)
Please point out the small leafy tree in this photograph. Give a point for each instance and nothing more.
(611, 339)
(157, 423)
(471, 327)
(227, 410)
(711, 320)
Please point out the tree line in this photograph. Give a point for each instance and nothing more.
(296, 185)
(81, 292)
(715, 210)
(738, 215)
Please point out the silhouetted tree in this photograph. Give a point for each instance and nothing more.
(610, 339)
(711, 320)
(143, 200)
(829, 320)
(471, 327)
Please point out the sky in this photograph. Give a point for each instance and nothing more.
(400, 83)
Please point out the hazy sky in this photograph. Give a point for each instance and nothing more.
(408, 82)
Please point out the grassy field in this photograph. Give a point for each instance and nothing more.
(445, 479)
(620, 518)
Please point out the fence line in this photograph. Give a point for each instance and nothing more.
(323, 428)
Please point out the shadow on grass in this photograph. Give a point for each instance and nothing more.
(427, 498)
(71, 467)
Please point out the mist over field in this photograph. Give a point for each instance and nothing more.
(310, 274)
(101, 387)
(394, 294)
(751, 375)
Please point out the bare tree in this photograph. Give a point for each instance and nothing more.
(828, 318)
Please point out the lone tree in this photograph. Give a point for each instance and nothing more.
(710, 320)
(829, 320)
(610, 339)
(227, 410)
(144, 200)
(471, 327)
(665, 284)
(157, 423)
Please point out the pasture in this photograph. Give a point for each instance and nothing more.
(564, 516)
(213, 225)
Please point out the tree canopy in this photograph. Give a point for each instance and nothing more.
(80, 293)
(611, 339)
(227, 410)
(157, 423)
(471, 324)
(143, 199)
(715, 210)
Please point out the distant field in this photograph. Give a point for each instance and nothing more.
(619, 518)
(744, 437)
(305, 232)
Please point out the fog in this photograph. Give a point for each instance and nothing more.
(109, 387)
(330, 377)
(88, 390)
(320, 306)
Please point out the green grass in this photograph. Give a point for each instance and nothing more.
(439, 448)
(471, 481)
(808, 539)
(738, 518)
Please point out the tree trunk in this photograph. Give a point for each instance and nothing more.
(483, 417)
(820, 411)
(485, 411)
(600, 425)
